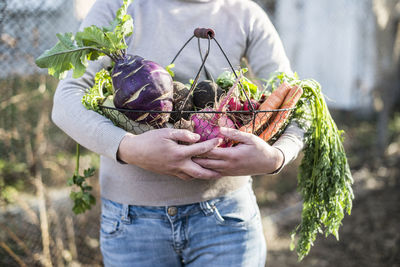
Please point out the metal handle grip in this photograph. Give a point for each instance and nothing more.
(204, 33)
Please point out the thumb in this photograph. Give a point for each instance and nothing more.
(236, 135)
(183, 136)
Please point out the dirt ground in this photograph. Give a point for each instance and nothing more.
(369, 237)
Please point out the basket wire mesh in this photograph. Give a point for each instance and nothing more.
(178, 118)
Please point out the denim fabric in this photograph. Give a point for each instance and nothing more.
(225, 231)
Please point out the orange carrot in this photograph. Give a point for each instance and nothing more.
(279, 118)
(274, 101)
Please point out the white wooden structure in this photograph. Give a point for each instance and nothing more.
(334, 43)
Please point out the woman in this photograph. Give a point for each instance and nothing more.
(167, 204)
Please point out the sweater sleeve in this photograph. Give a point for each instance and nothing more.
(88, 128)
(265, 54)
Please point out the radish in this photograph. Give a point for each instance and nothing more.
(234, 104)
(208, 125)
(254, 103)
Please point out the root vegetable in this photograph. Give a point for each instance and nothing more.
(139, 84)
(206, 94)
(181, 94)
(208, 125)
(274, 101)
(279, 118)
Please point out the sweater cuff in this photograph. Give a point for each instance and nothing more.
(283, 163)
(290, 144)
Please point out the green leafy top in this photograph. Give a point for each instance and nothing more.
(101, 89)
(227, 78)
(73, 52)
(324, 178)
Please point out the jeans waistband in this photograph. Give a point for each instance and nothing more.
(127, 211)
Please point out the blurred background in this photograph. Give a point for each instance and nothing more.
(352, 47)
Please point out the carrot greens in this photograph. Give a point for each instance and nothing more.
(324, 178)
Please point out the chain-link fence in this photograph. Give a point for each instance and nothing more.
(28, 28)
(37, 226)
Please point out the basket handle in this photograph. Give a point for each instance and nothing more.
(204, 33)
(208, 33)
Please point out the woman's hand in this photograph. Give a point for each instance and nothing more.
(250, 157)
(159, 151)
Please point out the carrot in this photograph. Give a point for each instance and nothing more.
(279, 118)
(274, 101)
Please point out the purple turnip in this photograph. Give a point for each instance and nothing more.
(143, 85)
(140, 85)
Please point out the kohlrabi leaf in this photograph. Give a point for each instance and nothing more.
(101, 89)
(73, 52)
(169, 69)
(66, 55)
(94, 37)
(120, 28)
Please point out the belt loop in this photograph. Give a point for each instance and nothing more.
(125, 213)
(206, 208)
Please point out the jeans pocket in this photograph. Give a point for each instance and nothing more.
(110, 224)
(240, 209)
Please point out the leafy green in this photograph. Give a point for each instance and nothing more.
(227, 78)
(324, 178)
(169, 69)
(73, 52)
(101, 89)
(83, 199)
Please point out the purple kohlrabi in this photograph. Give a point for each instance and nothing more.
(143, 85)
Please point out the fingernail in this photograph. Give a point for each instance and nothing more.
(195, 136)
(224, 130)
(219, 141)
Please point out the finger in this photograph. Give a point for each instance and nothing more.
(200, 148)
(184, 176)
(199, 172)
(236, 135)
(216, 153)
(183, 135)
(223, 153)
(211, 163)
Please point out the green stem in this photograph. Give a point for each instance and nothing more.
(77, 155)
(83, 48)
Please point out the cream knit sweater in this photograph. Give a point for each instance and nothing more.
(161, 27)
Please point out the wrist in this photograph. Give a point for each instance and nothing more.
(124, 148)
(279, 160)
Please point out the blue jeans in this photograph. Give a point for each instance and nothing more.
(225, 231)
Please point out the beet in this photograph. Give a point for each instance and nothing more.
(206, 94)
(181, 93)
(207, 126)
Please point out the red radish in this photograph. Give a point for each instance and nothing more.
(234, 104)
(254, 103)
(207, 125)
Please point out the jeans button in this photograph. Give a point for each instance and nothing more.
(172, 211)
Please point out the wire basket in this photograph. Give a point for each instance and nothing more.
(209, 118)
